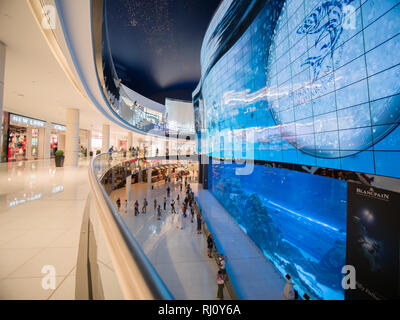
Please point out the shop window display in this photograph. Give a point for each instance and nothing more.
(17, 144)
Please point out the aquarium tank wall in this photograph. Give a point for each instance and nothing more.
(296, 219)
(301, 82)
(316, 82)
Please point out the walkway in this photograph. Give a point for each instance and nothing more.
(179, 256)
(41, 210)
(253, 276)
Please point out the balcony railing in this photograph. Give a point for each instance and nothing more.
(111, 263)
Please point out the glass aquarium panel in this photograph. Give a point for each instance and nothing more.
(322, 65)
(302, 231)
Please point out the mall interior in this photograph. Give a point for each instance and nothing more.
(200, 150)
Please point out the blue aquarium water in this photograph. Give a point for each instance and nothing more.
(315, 82)
(298, 220)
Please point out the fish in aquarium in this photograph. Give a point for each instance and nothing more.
(372, 249)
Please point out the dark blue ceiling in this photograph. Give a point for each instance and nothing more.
(155, 44)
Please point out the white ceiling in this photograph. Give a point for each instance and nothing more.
(35, 84)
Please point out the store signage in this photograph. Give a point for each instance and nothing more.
(15, 119)
(59, 127)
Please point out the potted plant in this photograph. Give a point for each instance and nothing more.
(59, 158)
(98, 152)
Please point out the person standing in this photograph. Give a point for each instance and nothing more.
(191, 213)
(220, 283)
(184, 217)
(159, 212)
(155, 205)
(168, 191)
(173, 207)
(190, 200)
(198, 219)
(144, 209)
(126, 206)
(186, 201)
(118, 202)
(177, 199)
(222, 260)
(136, 208)
(110, 151)
(184, 209)
(210, 245)
(165, 204)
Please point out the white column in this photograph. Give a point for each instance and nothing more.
(105, 138)
(89, 143)
(2, 72)
(61, 141)
(44, 141)
(72, 138)
(130, 140)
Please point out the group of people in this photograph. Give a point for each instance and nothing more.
(186, 210)
(184, 206)
(134, 151)
(221, 261)
(187, 207)
(118, 203)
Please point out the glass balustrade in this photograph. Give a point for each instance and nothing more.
(119, 269)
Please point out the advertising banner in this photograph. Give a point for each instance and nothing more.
(373, 220)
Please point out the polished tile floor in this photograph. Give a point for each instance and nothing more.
(41, 209)
(179, 256)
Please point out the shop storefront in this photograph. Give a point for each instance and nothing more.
(24, 136)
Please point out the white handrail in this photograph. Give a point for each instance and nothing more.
(137, 277)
